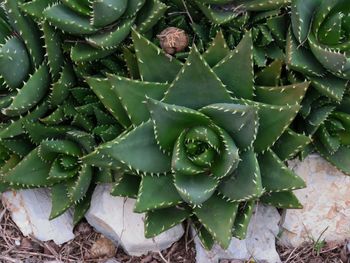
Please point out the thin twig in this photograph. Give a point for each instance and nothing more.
(162, 257)
(188, 13)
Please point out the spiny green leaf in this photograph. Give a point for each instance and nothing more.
(81, 7)
(180, 162)
(31, 93)
(13, 55)
(340, 159)
(27, 30)
(302, 12)
(195, 189)
(276, 177)
(240, 121)
(57, 171)
(136, 149)
(53, 42)
(154, 64)
(245, 182)
(38, 132)
(149, 15)
(111, 40)
(16, 128)
(216, 16)
(19, 145)
(217, 51)
(198, 77)
(126, 185)
(105, 93)
(105, 12)
(170, 120)
(330, 86)
(331, 143)
(156, 193)
(300, 59)
(78, 188)
(261, 5)
(270, 75)
(31, 171)
(49, 150)
(60, 200)
(160, 220)
(56, 117)
(81, 208)
(282, 95)
(205, 237)
(60, 89)
(133, 7)
(289, 144)
(236, 69)
(35, 8)
(317, 117)
(284, 200)
(243, 217)
(228, 158)
(217, 216)
(133, 94)
(67, 20)
(82, 52)
(270, 129)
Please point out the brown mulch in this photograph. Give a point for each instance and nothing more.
(320, 252)
(18, 249)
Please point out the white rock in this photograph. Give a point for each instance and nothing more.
(236, 250)
(30, 210)
(115, 219)
(326, 202)
(259, 244)
(112, 260)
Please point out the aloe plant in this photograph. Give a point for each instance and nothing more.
(48, 122)
(25, 82)
(328, 124)
(201, 137)
(48, 152)
(317, 48)
(99, 26)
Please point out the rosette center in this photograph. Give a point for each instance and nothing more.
(201, 144)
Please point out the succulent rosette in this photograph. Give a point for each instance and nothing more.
(329, 125)
(324, 26)
(47, 122)
(318, 47)
(97, 28)
(200, 143)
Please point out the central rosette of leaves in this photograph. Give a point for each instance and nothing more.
(199, 146)
(202, 151)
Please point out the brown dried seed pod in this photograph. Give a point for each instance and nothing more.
(103, 247)
(173, 40)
